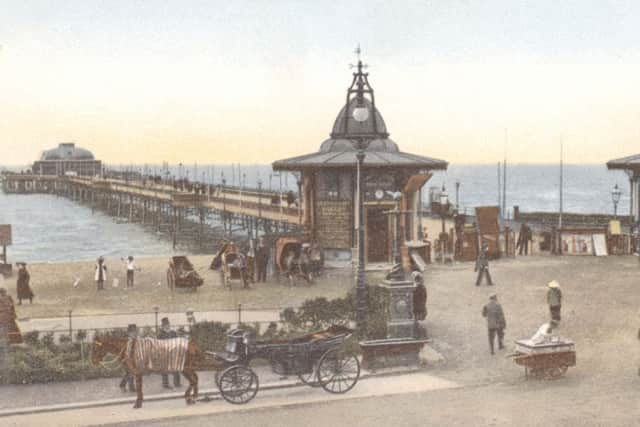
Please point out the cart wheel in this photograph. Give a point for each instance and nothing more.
(238, 384)
(338, 373)
(170, 279)
(310, 378)
(555, 372)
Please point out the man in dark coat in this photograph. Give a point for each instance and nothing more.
(496, 322)
(419, 297)
(262, 260)
(164, 333)
(554, 299)
(524, 237)
(24, 290)
(482, 266)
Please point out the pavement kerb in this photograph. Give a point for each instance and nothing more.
(206, 395)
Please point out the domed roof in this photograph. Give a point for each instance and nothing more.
(67, 151)
(346, 126)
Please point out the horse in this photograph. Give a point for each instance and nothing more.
(298, 266)
(195, 359)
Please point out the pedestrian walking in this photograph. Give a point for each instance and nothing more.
(554, 299)
(419, 305)
(131, 268)
(482, 266)
(496, 323)
(262, 260)
(524, 237)
(251, 262)
(165, 333)
(101, 273)
(23, 289)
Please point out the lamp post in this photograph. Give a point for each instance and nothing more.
(457, 196)
(361, 114)
(444, 203)
(615, 198)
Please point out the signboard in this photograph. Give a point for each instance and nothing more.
(5, 234)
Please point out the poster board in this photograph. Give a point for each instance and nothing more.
(5, 234)
(599, 245)
(577, 244)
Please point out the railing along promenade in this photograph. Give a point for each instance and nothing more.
(254, 204)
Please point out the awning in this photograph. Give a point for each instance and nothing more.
(416, 182)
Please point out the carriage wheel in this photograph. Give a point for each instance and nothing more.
(170, 279)
(238, 384)
(310, 378)
(337, 372)
(555, 372)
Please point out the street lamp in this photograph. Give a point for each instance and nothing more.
(615, 198)
(444, 204)
(361, 114)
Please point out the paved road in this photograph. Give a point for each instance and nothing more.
(171, 411)
(536, 403)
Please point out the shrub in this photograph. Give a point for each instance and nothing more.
(209, 336)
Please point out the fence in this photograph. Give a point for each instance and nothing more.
(64, 353)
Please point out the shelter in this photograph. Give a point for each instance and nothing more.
(631, 165)
(329, 179)
(67, 159)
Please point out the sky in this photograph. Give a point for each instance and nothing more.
(256, 81)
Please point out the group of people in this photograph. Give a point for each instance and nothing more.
(496, 322)
(100, 275)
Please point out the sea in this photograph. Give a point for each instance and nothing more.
(48, 228)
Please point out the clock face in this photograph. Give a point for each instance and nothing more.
(379, 194)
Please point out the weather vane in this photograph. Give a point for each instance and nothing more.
(359, 64)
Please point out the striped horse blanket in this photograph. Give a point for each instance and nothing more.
(154, 355)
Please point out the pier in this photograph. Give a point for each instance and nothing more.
(185, 212)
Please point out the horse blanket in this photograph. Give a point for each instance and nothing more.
(154, 355)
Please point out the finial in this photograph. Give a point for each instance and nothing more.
(359, 64)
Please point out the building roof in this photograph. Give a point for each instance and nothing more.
(625, 163)
(340, 149)
(66, 151)
(347, 158)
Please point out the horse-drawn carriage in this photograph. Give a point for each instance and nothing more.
(318, 359)
(296, 258)
(232, 264)
(181, 274)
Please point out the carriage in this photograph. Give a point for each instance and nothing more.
(182, 275)
(318, 359)
(296, 258)
(232, 265)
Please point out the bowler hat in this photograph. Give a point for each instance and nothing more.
(165, 321)
(493, 296)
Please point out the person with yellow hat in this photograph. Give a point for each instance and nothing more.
(554, 299)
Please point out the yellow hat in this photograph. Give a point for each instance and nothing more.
(553, 284)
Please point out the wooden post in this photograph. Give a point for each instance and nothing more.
(130, 207)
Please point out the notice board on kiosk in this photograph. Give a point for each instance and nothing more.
(489, 228)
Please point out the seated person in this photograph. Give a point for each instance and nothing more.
(544, 333)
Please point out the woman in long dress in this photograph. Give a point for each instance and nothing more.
(24, 290)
